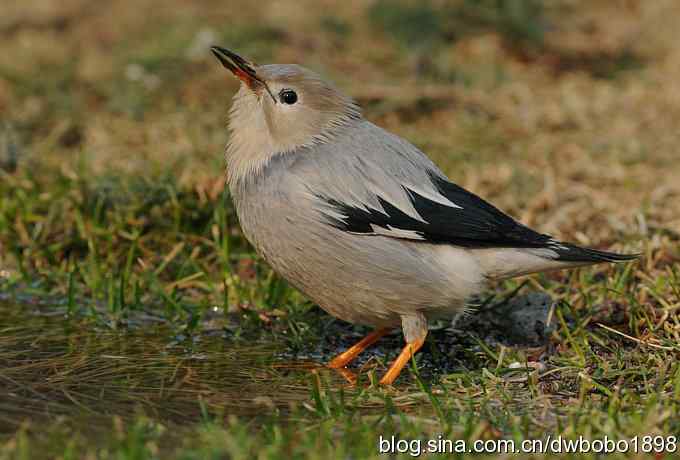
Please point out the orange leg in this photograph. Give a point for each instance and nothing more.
(348, 375)
(402, 360)
(352, 352)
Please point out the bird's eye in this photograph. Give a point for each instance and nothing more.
(288, 96)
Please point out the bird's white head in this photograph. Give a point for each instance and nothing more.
(279, 108)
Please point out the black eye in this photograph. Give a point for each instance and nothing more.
(288, 96)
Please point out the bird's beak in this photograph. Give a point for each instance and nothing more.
(242, 68)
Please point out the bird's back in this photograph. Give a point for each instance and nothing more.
(370, 280)
(368, 227)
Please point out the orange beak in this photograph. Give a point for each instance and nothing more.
(242, 68)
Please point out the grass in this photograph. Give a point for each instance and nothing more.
(136, 322)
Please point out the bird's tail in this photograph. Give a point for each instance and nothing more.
(567, 252)
(504, 263)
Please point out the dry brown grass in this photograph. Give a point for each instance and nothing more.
(576, 134)
(598, 153)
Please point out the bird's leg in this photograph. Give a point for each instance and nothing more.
(352, 352)
(349, 376)
(401, 361)
(415, 331)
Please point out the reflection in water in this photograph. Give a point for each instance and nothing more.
(52, 366)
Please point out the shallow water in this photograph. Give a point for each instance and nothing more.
(52, 366)
(57, 368)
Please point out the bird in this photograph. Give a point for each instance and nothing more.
(360, 220)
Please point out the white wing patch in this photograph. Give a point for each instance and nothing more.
(436, 197)
(334, 214)
(553, 243)
(396, 195)
(396, 232)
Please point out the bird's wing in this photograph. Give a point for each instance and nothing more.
(374, 183)
(438, 212)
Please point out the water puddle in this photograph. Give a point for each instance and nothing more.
(53, 367)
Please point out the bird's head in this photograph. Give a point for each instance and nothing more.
(281, 107)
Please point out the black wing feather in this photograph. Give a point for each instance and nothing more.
(477, 223)
(474, 224)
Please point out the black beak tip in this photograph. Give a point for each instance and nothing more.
(219, 54)
(242, 68)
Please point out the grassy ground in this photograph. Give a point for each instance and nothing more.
(135, 321)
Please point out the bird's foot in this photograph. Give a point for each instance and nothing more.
(352, 352)
(402, 360)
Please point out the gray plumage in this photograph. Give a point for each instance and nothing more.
(360, 220)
